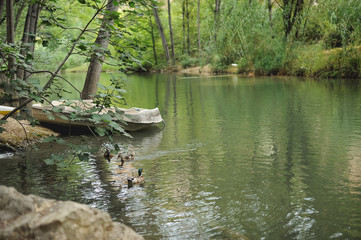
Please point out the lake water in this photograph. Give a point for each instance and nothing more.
(252, 158)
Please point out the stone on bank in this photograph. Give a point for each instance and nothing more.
(33, 217)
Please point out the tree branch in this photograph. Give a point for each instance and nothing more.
(67, 81)
(279, 4)
(50, 81)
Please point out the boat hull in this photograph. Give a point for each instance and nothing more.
(5, 109)
(133, 119)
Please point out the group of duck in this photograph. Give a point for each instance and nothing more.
(122, 156)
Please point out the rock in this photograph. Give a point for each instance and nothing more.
(32, 217)
(19, 134)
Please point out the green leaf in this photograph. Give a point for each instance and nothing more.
(116, 126)
(64, 117)
(101, 86)
(96, 118)
(127, 135)
(84, 157)
(116, 147)
(100, 131)
(73, 116)
(35, 97)
(2, 130)
(49, 161)
(57, 157)
(60, 141)
(58, 109)
(51, 117)
(62, 164)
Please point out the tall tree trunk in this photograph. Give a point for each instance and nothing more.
(292, 9)
(10, 38)
(28, 46)
(161, 33)
(2, 4)
(96, 62)
(171, 33)
(188, 34)
(270, 5)
(199, 26)
(184, 25)
(153, 40)
(18, 14)
(216, 17)
(29, 35)
(10, 31)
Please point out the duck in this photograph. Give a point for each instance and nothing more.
(108, 155)
(127, 157)
(136, 180)
(121, 156)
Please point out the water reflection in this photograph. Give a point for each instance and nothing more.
(257, 158)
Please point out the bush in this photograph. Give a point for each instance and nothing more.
(188, 61)
(314, 61)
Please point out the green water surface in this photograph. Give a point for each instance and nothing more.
(256, 158)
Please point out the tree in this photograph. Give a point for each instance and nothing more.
(40, 94)
(217, 9)
(188, 32)
(10, 39)
(171, 33)
(29, 37)
(291, 11)
(199, 26)
(161, 33)
(184, 24)
(269, 6)
(2, 4)
(28, 46)
(97, 58)
(34, 91)
(153, 40)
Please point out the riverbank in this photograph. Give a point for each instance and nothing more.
(301, 61)
(20, 134)
(309, 61)
(33, 217)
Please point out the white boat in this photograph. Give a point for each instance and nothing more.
(5, 109)
(132, 119)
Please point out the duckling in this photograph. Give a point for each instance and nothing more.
(121, 159)
(108, 155)
(136, 180)
(121, 156)
(129, 156)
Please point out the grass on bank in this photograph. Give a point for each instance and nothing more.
(267, 59)
(306, 61)
(314, 61)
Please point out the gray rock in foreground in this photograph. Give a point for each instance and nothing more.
(32, 217)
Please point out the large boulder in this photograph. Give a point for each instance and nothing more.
(32, 217)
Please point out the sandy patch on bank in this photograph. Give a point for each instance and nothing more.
(205, 70)
(19, 134)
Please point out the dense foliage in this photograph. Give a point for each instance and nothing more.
(47, 37)
(320, 38)
(307, 38)
(298, 37)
